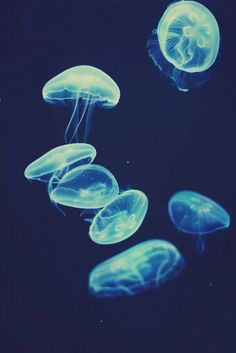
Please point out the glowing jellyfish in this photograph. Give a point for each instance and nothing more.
(185, 43)
(196, 214)
(144, 266)
(119, 219)
(84, 87)
(91, 186)
(60, 159)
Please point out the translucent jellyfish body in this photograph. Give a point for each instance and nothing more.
(59, 159)
(84, 87)
(119, 219)
(185, 43)
(91, 186)
(196, 214)
(144, 266)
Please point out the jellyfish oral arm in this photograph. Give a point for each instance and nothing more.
(88, 122)
(80, 110)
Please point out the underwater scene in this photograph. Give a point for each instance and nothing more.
(118, 177)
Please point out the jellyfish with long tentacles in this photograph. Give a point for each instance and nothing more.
(185, 44)
(84, 87)
(197, 215)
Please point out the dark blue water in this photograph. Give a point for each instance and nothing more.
(172, 140)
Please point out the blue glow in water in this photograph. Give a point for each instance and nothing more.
(59, 159)
(84, 87)
(91, 186)
(196, 214)
(120, 219)
(144, 266)
(185, 43)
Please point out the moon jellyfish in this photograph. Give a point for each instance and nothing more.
(196, 214)
(59, 159)
(144, 266)
(185, 44)
(119, 219)
(84, 87)
(91, 186)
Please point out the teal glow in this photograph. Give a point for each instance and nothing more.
(59, 159)
(144, 266)
(120, 219)
(196, 214)
(84, 87)
(185, 44)
(91, 186)
(189, 36)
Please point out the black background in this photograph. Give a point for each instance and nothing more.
(172, 140)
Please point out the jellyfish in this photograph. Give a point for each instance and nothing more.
(185, 44)
(198, 215)
(119, 219)
(84, 87)
(147, 265)
(88, 186)
(51, 166)
(60, 159)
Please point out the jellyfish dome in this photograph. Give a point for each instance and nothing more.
(88, 186)
(185, 43)
(58, 159)
(119, 219)
(84, 87)
(145, 266)
(196, 214)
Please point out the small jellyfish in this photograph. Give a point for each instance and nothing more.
(196, 214)
(60, 159)
(84, 87)
(91, 186)
(119, 219)
(144, 266)
(185, 44)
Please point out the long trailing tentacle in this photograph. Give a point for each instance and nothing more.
(88, 122)
(79, 112)
(73, 119)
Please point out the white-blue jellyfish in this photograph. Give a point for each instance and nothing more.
(198, 215)
(144, 266)
(119, 219)
(60, 159)
(83, 87)
(54, 164)
(185, 44)
(91, 186)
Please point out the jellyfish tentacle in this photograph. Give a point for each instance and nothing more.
(84, 111)
(201, 245)
(88, 122)
(54, 180)
(88, 214)
(78, 116)
(72, 121)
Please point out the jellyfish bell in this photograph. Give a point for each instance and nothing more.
(197, 215)
(185, 44)
(189, 36)
(84, 87)
(119, 219)
(60, 159)
(89, 187)
(145, 266)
